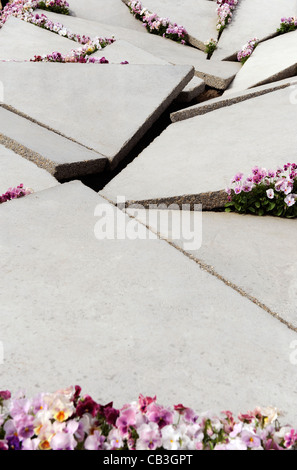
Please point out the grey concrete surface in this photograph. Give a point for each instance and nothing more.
(262, 264)
(121, 51)
(229, 99)
(111, 11)
(15, 170)
(123, 317)
(202, 154)
(197, 16)
(271, 61)
(71, 90)
(61, 157)
(22, 41)
(253, 18)
(215, 73)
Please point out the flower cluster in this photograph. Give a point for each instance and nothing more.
(225, 12)
(57, 6)
(65, 420)
(15, 193)
(247, 50)
(210, 47)
(265, 192)
(73, 57)
(157, 25)
(287, 25)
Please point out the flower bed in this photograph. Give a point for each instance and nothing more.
(225, 13)
(265, 192)
(15, 193)
(157, 25)
(65, 420)
(245, 53)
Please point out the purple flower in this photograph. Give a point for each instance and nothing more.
(250, 439)
(159, 415)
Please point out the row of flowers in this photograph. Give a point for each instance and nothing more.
(15, 193)
(265, 192)
(75, 56)
(24, 10)
(157, 25)
(225, 13)
(21, 8)
(66, 420)
(287, 25)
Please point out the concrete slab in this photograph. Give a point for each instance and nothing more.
(271, 61)
(264, 264)
(198, 17)
(201, 155)
(121, 51)
(193, 89)
(250, 20)
(61, 157)
(15, 170)
(62, 90)
(60, 298)
(31, 40)
(215, 73)
(229, 99)
(112, 12)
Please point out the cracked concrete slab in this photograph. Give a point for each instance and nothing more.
(201, 155)
(62, 90)
(253, 18)
(190, 317)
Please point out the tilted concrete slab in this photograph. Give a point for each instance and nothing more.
(121, 51)
(201, 155)
(231, 98)
(263, 265)
(198, 17)
(61, 157)
(253, 18)
(112, 11)
(215, 73)
(15, 170)
(60, 299)
(193, 89)
(87, 114)
(272, 60)
(22, 41)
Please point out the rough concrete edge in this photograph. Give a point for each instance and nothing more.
(130, 144)
(218, 103)
(210, 270)
(210, 201)
(289, 72)
(188, 96)
(59, 171)
(214, 81)
(29, 118)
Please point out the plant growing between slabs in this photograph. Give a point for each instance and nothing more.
(245, 53)
(225, 13)
(57, 6)
(210, 46)
(287, 25)
(15, 193)
(157, 25)
(265, 192)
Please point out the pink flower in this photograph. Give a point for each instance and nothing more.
(270, 193)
